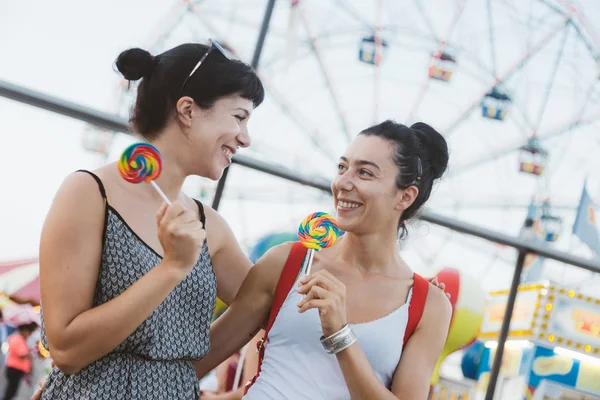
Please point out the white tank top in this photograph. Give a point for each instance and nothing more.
(296, 366)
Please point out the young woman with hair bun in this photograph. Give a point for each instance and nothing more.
(362, 324)
(129, 284)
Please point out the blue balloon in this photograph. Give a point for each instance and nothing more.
(471, 359)
(268, 241)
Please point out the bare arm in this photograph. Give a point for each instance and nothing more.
(251, 360)
(250, 368)
(412, 377)
(229, 260)
(248, 313)
(70, 250)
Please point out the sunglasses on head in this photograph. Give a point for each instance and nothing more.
(214, 45)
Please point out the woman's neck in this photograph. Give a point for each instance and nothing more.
(372, 252)
(173, 174)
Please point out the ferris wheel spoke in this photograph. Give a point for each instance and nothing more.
(354, 14)
(492, 39)
(427, 21)
(592, 45)
(518, 111)
(561, 158)
(335, 98)
(302, 121)
(588, 96)
(161, 33)
(438, 53)
(378, 56)
(550, 85)
(506, 75)
(568, 128)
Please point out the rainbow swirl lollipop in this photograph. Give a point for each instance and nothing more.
(142, 162)
(317, 231)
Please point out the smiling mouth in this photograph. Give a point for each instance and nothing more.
(227, 151)
(348, 204)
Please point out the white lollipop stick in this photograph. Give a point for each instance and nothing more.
(162, 194)
(309, 261)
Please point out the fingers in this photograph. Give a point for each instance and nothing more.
(323, 291)
(194, 230)
(176, 217)
(161, 213)
(323, 305)
(315, 292)
(322, 278)
(434, 281)
(173, 211)
(38, 393)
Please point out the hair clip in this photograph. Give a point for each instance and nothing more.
(419, 170)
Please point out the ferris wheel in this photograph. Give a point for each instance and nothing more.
(512, 84)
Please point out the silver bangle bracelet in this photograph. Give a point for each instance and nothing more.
(344, 343)
(339, 341)
(330, 340)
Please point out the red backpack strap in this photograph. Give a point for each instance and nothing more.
(284, 285)
(417, 305)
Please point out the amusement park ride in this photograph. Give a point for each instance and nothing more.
(443, 67)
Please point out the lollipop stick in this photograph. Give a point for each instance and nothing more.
(311, 254)
(162, 194)
(305, 262)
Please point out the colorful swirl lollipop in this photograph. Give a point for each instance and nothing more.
(317, 231)
(142, 162)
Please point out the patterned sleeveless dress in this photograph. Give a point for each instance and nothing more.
(155, 361)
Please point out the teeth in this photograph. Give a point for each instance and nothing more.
(348, 205)
(227, 152)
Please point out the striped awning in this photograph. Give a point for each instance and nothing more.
(20, 279)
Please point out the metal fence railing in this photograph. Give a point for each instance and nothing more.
(522, 246)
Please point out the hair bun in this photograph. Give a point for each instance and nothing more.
(435, 147)
(135, 64)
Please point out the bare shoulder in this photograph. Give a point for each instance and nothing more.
(276, 256)
(213, 218)
(218, 232)
(76, 213)
(79, 193)
(438, 309)
(268, 268)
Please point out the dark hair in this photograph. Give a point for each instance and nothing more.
(30, 327)
(421, 155)
(163, 76)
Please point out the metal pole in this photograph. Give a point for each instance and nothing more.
(98, 118)
(255, 58)
(510, 304)
(116, 123)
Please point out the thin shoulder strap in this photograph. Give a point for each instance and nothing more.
(103, 193)
(98, 181)
(417, 305)
(201, 212)
(284, 285)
